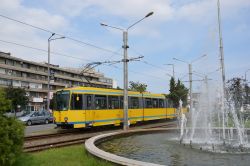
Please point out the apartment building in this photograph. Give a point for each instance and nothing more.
(32, 76)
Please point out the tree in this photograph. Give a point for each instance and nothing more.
(11, 133)
(177, 91)
(5, 104)
(136, 86)
(235, 92)
(17, 96)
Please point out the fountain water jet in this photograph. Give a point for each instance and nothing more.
(205, 125)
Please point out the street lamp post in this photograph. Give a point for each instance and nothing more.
(190, 78)
(172, 68)
(125, 68)
(246, 74)
(48, 87)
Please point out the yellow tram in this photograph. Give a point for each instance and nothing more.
(80, 107)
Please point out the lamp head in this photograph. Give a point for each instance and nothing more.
(102, 24)
(149, 14)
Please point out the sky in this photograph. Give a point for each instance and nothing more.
(183, 29)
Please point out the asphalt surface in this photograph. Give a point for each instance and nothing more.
(39, 129)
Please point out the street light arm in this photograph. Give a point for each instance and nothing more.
(169, 75)
(199, 74)
(149, 14)
(180, 60)
(51, 36)
(106, 25)
(199, 58)
(57, 38)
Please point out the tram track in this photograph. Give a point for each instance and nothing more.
(73, 137)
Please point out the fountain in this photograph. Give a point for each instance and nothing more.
(206, 126)
(197, 141)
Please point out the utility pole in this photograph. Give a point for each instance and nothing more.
(48, 86)
(222, 71)
(190, 87)
(125, 79)
(190, 78)
(125, 68)
(172, 69)
(246, 74)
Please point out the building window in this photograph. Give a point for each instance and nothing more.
(43, 78)
(25, 84)
(9, 62)
(24, 75)
(9, 72)
(2, 61)
(16, 83)
(41, 69)
(33, 76)
(25, 65)
(44, 86)
(5, 82)
(16, 73)
(2, 71)
(33, 67)
(17, 64)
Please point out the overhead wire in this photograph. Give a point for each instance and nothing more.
(43, 50)
(150, 64)
(69, 56)
(68, 37)
(73, 39)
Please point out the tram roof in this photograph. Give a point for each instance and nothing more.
(106, 91)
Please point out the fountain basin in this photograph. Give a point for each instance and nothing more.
(158, 146)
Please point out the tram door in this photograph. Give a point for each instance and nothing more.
(77, 113)
(89, 118)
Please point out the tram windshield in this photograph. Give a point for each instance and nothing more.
(62, 100)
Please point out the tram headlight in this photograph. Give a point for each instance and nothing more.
(66, 119)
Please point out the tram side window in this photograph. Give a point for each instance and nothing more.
(100, 102)
(167, 104)
(121, 102)
(134, 103)
(76, 102)
(113, 102)
(155, 103)
(170, 103)
(148, 103)
(161, 103)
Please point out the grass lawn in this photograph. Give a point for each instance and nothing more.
(67, 156)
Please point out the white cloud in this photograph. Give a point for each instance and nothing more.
(66, 16)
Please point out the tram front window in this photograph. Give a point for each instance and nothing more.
(62, 100)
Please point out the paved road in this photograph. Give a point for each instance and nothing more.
(39, 129)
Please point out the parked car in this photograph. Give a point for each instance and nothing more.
(14, 114)
(37, 117)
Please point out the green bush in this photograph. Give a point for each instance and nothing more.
(5, 104)
(11, 140)
(11, 134)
